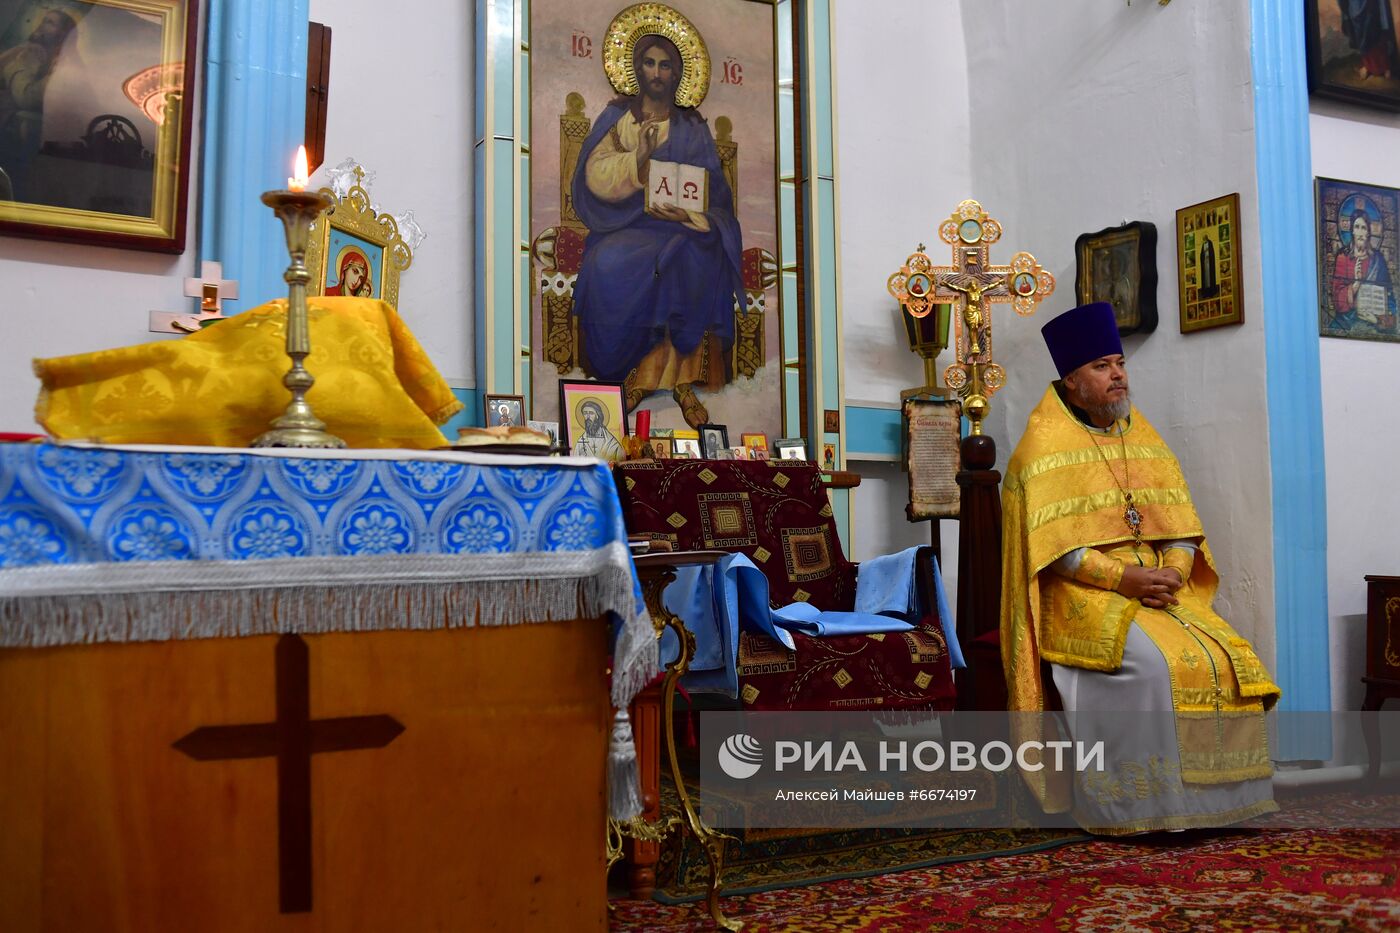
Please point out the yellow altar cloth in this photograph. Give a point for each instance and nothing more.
(375, 386)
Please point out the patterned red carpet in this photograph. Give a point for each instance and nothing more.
(1251, 880)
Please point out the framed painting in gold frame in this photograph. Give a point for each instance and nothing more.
(1208, 264)
(95, 148)
(355, 251)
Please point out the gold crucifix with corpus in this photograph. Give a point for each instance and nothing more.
(971, 284)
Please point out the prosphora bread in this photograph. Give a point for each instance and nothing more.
(501, 434)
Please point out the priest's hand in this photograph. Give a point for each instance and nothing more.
(1156, 588)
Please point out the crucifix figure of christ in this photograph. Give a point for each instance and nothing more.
(971, 284)
(292, 739)
(975, 288)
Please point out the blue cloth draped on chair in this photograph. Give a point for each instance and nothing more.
(718, 601)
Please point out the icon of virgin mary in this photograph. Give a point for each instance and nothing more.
(354, 277)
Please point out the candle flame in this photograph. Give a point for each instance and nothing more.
(298, 183)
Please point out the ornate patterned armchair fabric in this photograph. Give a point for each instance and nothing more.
(777, 513)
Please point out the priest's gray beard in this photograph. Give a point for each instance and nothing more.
(1113, 411)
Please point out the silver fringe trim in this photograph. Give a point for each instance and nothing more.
(72, 604)
(75, 604)
(172, 600)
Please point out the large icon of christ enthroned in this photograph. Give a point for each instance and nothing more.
(645, 280)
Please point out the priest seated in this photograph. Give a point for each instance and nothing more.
(1108, 579)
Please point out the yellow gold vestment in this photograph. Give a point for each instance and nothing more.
(375, 386)
(1061, 494)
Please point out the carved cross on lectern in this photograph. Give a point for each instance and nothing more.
(292, 739)
(971, 284)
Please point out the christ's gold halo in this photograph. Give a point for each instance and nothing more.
(656, 19)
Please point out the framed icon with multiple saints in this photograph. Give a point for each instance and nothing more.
(1208, 264)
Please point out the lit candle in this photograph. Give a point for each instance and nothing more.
(298, 183)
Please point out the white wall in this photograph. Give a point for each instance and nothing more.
(401, 104)
(1361, 429)
(902, 166)
(1105, 113)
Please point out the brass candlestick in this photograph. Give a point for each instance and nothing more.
(298, 426)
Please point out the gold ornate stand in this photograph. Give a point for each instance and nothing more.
(972, 284)
(657, 571)
(298, 426)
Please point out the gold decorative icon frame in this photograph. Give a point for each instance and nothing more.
(124, 180)
(356, 251)
(1208, 260)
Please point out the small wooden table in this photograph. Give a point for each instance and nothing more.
(657, 571)
(1382, 678)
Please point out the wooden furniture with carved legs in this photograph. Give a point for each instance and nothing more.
(644, 834)
(643, 853)
(1382, 660)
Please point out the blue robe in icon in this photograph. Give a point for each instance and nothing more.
(643, 278)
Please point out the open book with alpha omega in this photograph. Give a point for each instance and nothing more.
(675, 184)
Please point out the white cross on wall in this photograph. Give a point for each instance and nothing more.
(212, 290)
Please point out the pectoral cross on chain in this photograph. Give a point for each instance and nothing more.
(1133, 517)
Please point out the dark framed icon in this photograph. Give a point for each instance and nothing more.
(713, 439)
(506, 411)
(593, 418)
(1357, 255)
(1354, 51)
(1119, 265)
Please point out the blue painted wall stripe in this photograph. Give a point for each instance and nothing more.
(498, 168)
(479, 254)
(469, 417)
(1284, 163)
(873, 430)
(254, 119)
